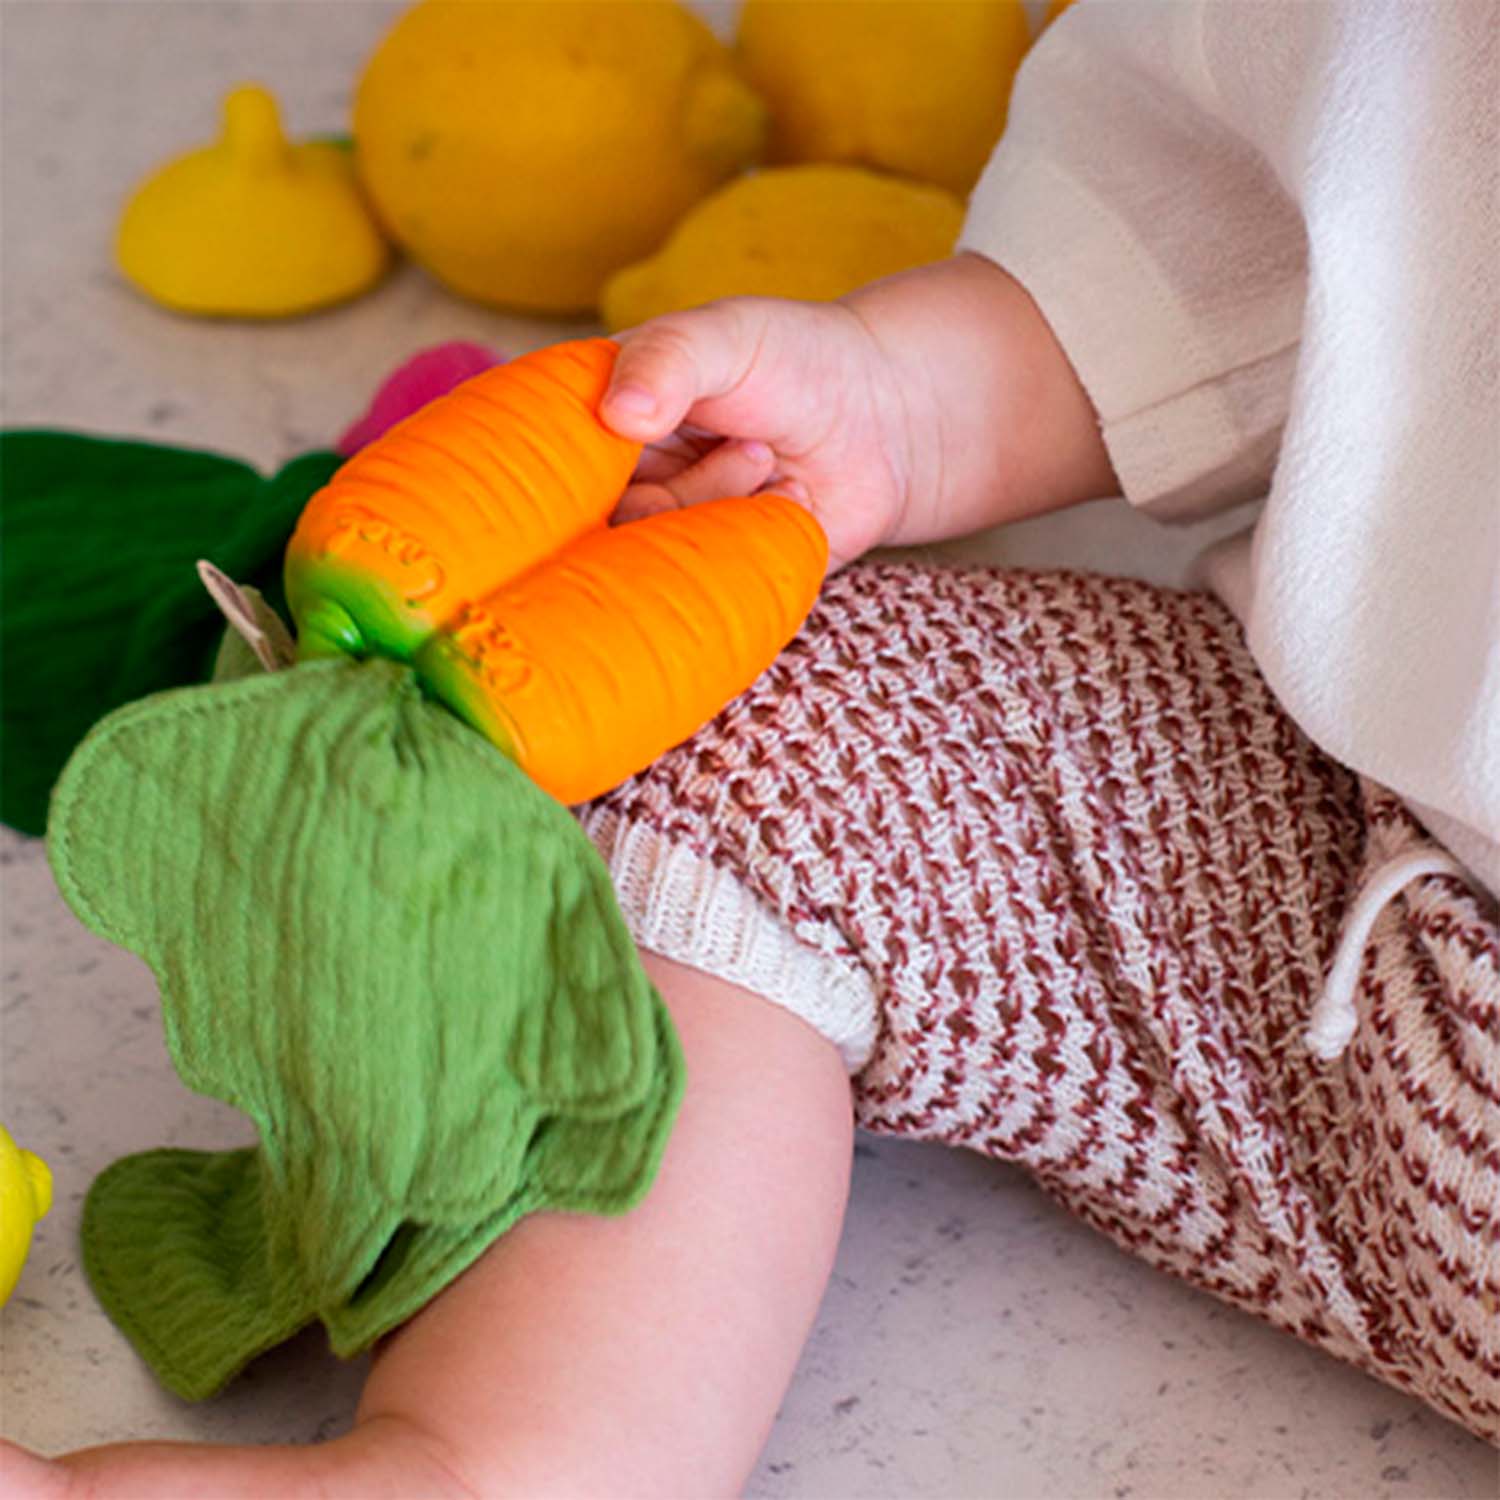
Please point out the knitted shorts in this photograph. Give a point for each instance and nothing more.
(1044, 859)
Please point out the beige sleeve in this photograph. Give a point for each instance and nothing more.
(1129, 200)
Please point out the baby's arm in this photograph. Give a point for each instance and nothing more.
(924, 406)
(1004, 428)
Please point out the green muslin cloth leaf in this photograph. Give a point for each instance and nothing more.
(99, 600)
(395, 953)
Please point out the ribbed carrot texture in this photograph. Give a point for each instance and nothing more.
(583, 652)
(589, 667)
(475, 488)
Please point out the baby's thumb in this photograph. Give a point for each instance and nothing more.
(670, 364)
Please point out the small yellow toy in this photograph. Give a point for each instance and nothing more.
(252, 226)
(810, 232)
(25, 1197)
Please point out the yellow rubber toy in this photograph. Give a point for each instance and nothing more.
(252, 226)
(25, 1197)
(907, 86)
(524, 151)
(810, 232)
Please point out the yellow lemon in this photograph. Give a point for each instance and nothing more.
(25, 1197)
(524, 149)
(812, 232)
(252, 226)
(917, 87)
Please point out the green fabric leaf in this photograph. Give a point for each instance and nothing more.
(99, 601)
(395, 953)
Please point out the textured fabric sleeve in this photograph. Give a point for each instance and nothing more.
(1130, 198)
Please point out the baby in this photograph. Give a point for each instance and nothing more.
(1186, 903)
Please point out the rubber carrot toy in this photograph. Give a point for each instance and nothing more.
(471, 541)
(476, 488)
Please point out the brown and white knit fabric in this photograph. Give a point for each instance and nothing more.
(1040, 853)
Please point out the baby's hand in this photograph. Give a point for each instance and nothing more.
(757, 393)
(928, 405)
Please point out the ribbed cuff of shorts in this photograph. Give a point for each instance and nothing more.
(682, 906)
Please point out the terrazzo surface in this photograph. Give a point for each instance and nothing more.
(974, 1342)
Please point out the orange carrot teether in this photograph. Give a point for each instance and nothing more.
(471, 541)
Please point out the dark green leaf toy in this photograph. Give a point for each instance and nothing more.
(99, 604)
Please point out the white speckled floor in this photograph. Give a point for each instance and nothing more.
(974, 1342)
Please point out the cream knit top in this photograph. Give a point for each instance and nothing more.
(1268, 236)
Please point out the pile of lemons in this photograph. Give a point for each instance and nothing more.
(573, 157)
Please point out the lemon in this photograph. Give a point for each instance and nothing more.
(525, 149)
(252, 226)
(25, 1197)
(811, 232)
(917, 87)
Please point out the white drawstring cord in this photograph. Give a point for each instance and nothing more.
(1334, 1017)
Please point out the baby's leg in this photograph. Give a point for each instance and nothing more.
(1053, 834)
(643, 1355)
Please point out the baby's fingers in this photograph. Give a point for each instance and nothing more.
(732, 468)
(667, 366)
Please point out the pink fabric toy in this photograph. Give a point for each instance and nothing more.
(423, 378)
